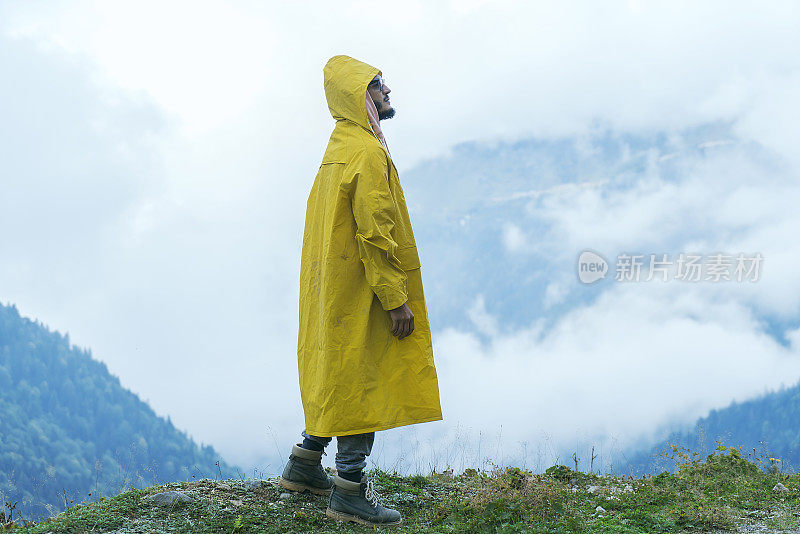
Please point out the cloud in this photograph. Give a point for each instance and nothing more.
(483, 322)
(74, 159)
(513, 238)
(637, 358)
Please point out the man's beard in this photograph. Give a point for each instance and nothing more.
(385, 113)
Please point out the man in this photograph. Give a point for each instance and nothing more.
(364, 351)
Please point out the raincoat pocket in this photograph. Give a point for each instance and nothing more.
(408, 257)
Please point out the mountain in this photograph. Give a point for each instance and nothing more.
(69, 432)
(764, 427)
(487, 216)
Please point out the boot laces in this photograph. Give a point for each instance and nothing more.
(371, 494)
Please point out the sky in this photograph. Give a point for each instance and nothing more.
(156, 158)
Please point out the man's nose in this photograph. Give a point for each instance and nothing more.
(386, 90)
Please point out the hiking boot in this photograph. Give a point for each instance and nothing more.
(358, 502)
(304, 472)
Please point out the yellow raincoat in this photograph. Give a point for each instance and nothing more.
(359, 260)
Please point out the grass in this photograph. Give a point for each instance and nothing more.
(714, 495)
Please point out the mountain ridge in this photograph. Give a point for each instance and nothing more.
(71, 430)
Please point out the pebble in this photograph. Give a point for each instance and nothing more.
(780, 488)
(285, 496)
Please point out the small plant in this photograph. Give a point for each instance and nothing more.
(774, 466)
(417, 480)
(7, 519)
(682, 456)
(560, 472)
(514, 478)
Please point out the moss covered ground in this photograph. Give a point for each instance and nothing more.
(723, 493)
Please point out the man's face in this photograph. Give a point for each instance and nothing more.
(379, 92)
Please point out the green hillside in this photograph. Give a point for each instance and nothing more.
(721, 493)
(69, 432)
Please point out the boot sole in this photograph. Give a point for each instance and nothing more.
(300, 488)
(340, 516)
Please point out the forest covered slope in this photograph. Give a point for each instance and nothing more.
(70, 432)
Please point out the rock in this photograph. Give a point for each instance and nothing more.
(253, 484)
(285, 496)
(780, 488)
(223, 486)
(593, 489)
(169, 497)
(600, 509)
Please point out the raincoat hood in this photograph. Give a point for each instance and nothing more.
(346, 80)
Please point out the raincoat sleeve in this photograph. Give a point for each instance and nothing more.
(375, 213)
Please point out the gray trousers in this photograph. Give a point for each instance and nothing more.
(352, 450)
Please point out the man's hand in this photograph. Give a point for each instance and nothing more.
(402, 321)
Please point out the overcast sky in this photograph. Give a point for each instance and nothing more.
(156, 157)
